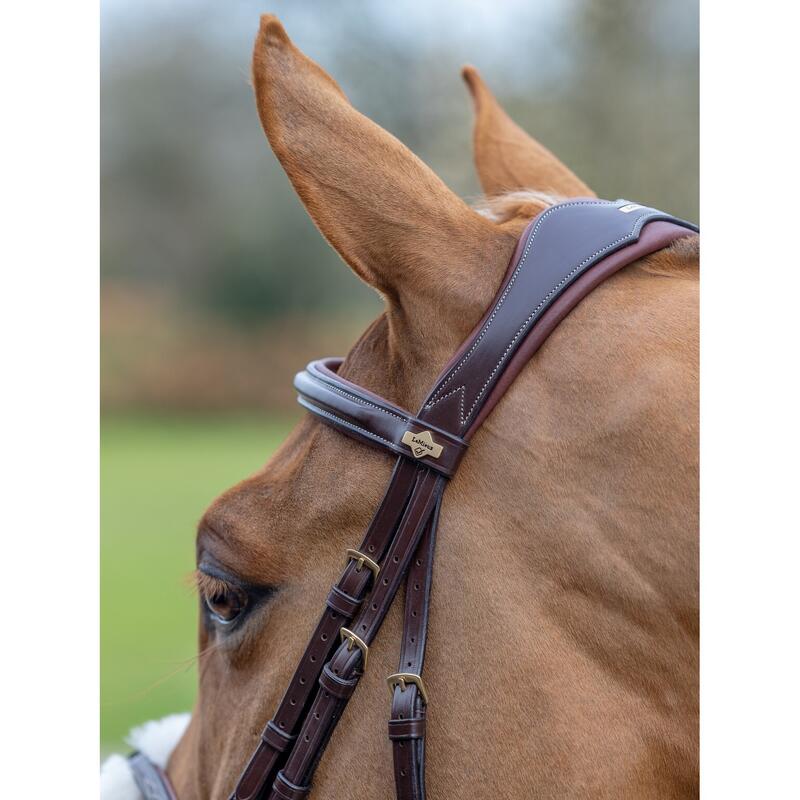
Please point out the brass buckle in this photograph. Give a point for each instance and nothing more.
(402, 679)
(363, 561)
(353, 639)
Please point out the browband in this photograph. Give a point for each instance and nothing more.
(561, 256)
(363, 415)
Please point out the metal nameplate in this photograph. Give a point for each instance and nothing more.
(422, 444)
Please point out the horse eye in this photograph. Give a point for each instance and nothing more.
(226, 603)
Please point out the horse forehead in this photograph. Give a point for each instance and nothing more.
(318, 485)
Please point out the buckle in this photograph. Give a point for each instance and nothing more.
(352, 640)
(403, 679)
(363, 561)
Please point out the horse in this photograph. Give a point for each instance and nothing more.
(563, 645)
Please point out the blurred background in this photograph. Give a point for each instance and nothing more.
(215, 285)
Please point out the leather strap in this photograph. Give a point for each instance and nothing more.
(369, 418)
(407, 722)
(263, 766)
(562, 255)
(347, 661)
(152, 781)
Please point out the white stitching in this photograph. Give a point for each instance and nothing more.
(511, 282)
(533, 314)
(461, 389)
(408, 420)
(355, 397)
(348, 424)
(437, 397)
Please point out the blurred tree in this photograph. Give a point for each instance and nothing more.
(195, 206)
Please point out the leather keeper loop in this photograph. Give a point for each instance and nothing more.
(406, 729)
(288, 790)
(276, 738)
(343, 603)
(336, 686)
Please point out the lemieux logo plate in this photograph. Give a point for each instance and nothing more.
(422, 444)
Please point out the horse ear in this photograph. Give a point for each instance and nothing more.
(387, 214)
(506, 158)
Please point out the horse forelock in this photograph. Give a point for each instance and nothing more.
(503, 207)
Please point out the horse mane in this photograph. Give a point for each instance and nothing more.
(529, 202)
(501, 208)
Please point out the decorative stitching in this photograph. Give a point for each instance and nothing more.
(529, 319)
(462, 389)
(355, 397)
(511, 282)
(437, 397)
(348, 424)
(407, 420)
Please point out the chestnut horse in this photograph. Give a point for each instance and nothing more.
(572, 672)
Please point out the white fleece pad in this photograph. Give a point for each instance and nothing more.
(157, 740)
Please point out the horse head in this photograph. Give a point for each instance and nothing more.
(563, 654)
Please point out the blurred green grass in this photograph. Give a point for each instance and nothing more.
(158, 474)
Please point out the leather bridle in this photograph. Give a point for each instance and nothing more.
(562, 255)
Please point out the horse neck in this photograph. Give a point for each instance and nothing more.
(566, 559)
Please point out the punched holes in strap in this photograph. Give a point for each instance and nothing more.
(276, 738)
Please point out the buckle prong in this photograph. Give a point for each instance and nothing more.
(403, 679)
(363, 561)
(354, 640)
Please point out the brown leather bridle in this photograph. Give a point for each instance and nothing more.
(562, 255)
